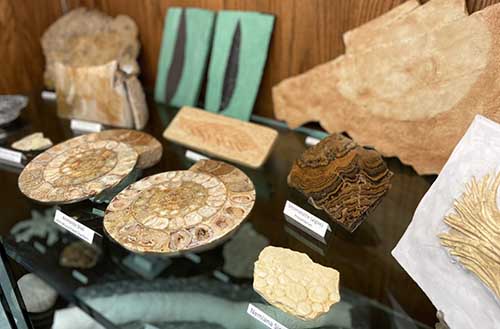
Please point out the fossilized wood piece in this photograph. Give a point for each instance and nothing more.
(245, 143)
(474, 236)
(147, 147)
(100, 93)
(85, 37)
(76, 170)
(422, 100)
(32, 142)
(292, 282)
(10, 107)
(180, 211)
(342, 178)
(79, 254)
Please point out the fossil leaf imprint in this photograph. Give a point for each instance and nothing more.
(474, 236)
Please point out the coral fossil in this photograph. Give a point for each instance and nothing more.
(475, 231)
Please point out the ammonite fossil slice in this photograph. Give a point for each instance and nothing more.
(292, 282)
(345, 180)
(180, 211)
(147, 147)
(76, 170)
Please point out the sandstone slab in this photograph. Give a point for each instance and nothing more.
(32, 142)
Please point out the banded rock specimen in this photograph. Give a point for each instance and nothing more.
(86, 37)
(345, 180)
(32, 142)
(180, 211)
(245, 143)
(474, 236)
(292, 282)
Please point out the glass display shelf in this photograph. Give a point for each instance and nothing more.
(213, 289)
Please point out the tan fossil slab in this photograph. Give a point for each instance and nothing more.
(79, 254)
(32, 142)
(180, 211)
(147, 147)
(414, 105)
(76, 170)
(292, 282)
(87, 37)
(474, 235)
(230, 139)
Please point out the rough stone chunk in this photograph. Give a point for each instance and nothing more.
(10, 107)
(79, 254)
(33, 142)
(292, 282)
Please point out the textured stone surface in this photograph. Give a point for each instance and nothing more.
(76, 170)
(37, 295)
(245, 143)
(474, 237)
(33, 142)
(85, 37)
(292, 282)
(147, 147)
(345, 180)
(180, 211)
(414, 105)
(79, 254)
(10, 107)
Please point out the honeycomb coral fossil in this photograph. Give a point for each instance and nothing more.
(474, 237)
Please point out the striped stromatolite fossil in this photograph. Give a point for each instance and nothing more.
(342, 178)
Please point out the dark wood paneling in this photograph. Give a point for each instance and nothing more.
(307, 33)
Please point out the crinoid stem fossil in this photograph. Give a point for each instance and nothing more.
(474, 237)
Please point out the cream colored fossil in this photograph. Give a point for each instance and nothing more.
(292, 282)
(474, 237)
(33, 142)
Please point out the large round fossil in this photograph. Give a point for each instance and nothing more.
(180, 211)
(76, 170)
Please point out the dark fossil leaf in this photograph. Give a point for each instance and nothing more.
(231, 75)
(174, 74)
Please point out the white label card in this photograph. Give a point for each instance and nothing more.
(10, 155)
(195, 156)
(70, 224)
(312, 141)
(49, 95)
(87, 126)
(264, 318)
(306, 219)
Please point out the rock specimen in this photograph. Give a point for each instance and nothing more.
(80, 255)
(147, 147)
(292, 282)
(345, 180)
(37, 295)
(422, 100)
(33, 142)
(76, 170)
(474, 237)
(100, 93)
(180, 211)
(85, 37)
(245, 143)
(10, 107)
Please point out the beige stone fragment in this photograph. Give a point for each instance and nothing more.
(242, 142)
(292, 282)
(33, 142)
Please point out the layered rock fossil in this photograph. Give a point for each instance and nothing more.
(345, 180)
(76, 170)
(86, 37)
(242, 142)
(411, 96)
(292, 282)
(80, 255)
(32, 142)
(10, 107)
(474, 236)
(179, 211)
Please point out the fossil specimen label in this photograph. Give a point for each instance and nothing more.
(342, 178)
(76, 170)
(180, 211)
(242, 142)
(33, 142)
(292, 282)
(474, 237)
(422, 99)
(147, 147)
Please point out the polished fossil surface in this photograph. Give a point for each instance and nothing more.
(345, 180)
(292, 282)
(179, 211)
(76, 170)
(32, 142)
(79, 254)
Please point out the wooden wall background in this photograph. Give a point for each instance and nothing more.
(307, 33)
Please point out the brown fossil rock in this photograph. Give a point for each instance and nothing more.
(87, 37)
(342, 178)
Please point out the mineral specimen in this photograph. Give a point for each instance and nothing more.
(292, 282)
(33, 142)
(474, 237)
(345, 180)
(10, 107)
(80, 255)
